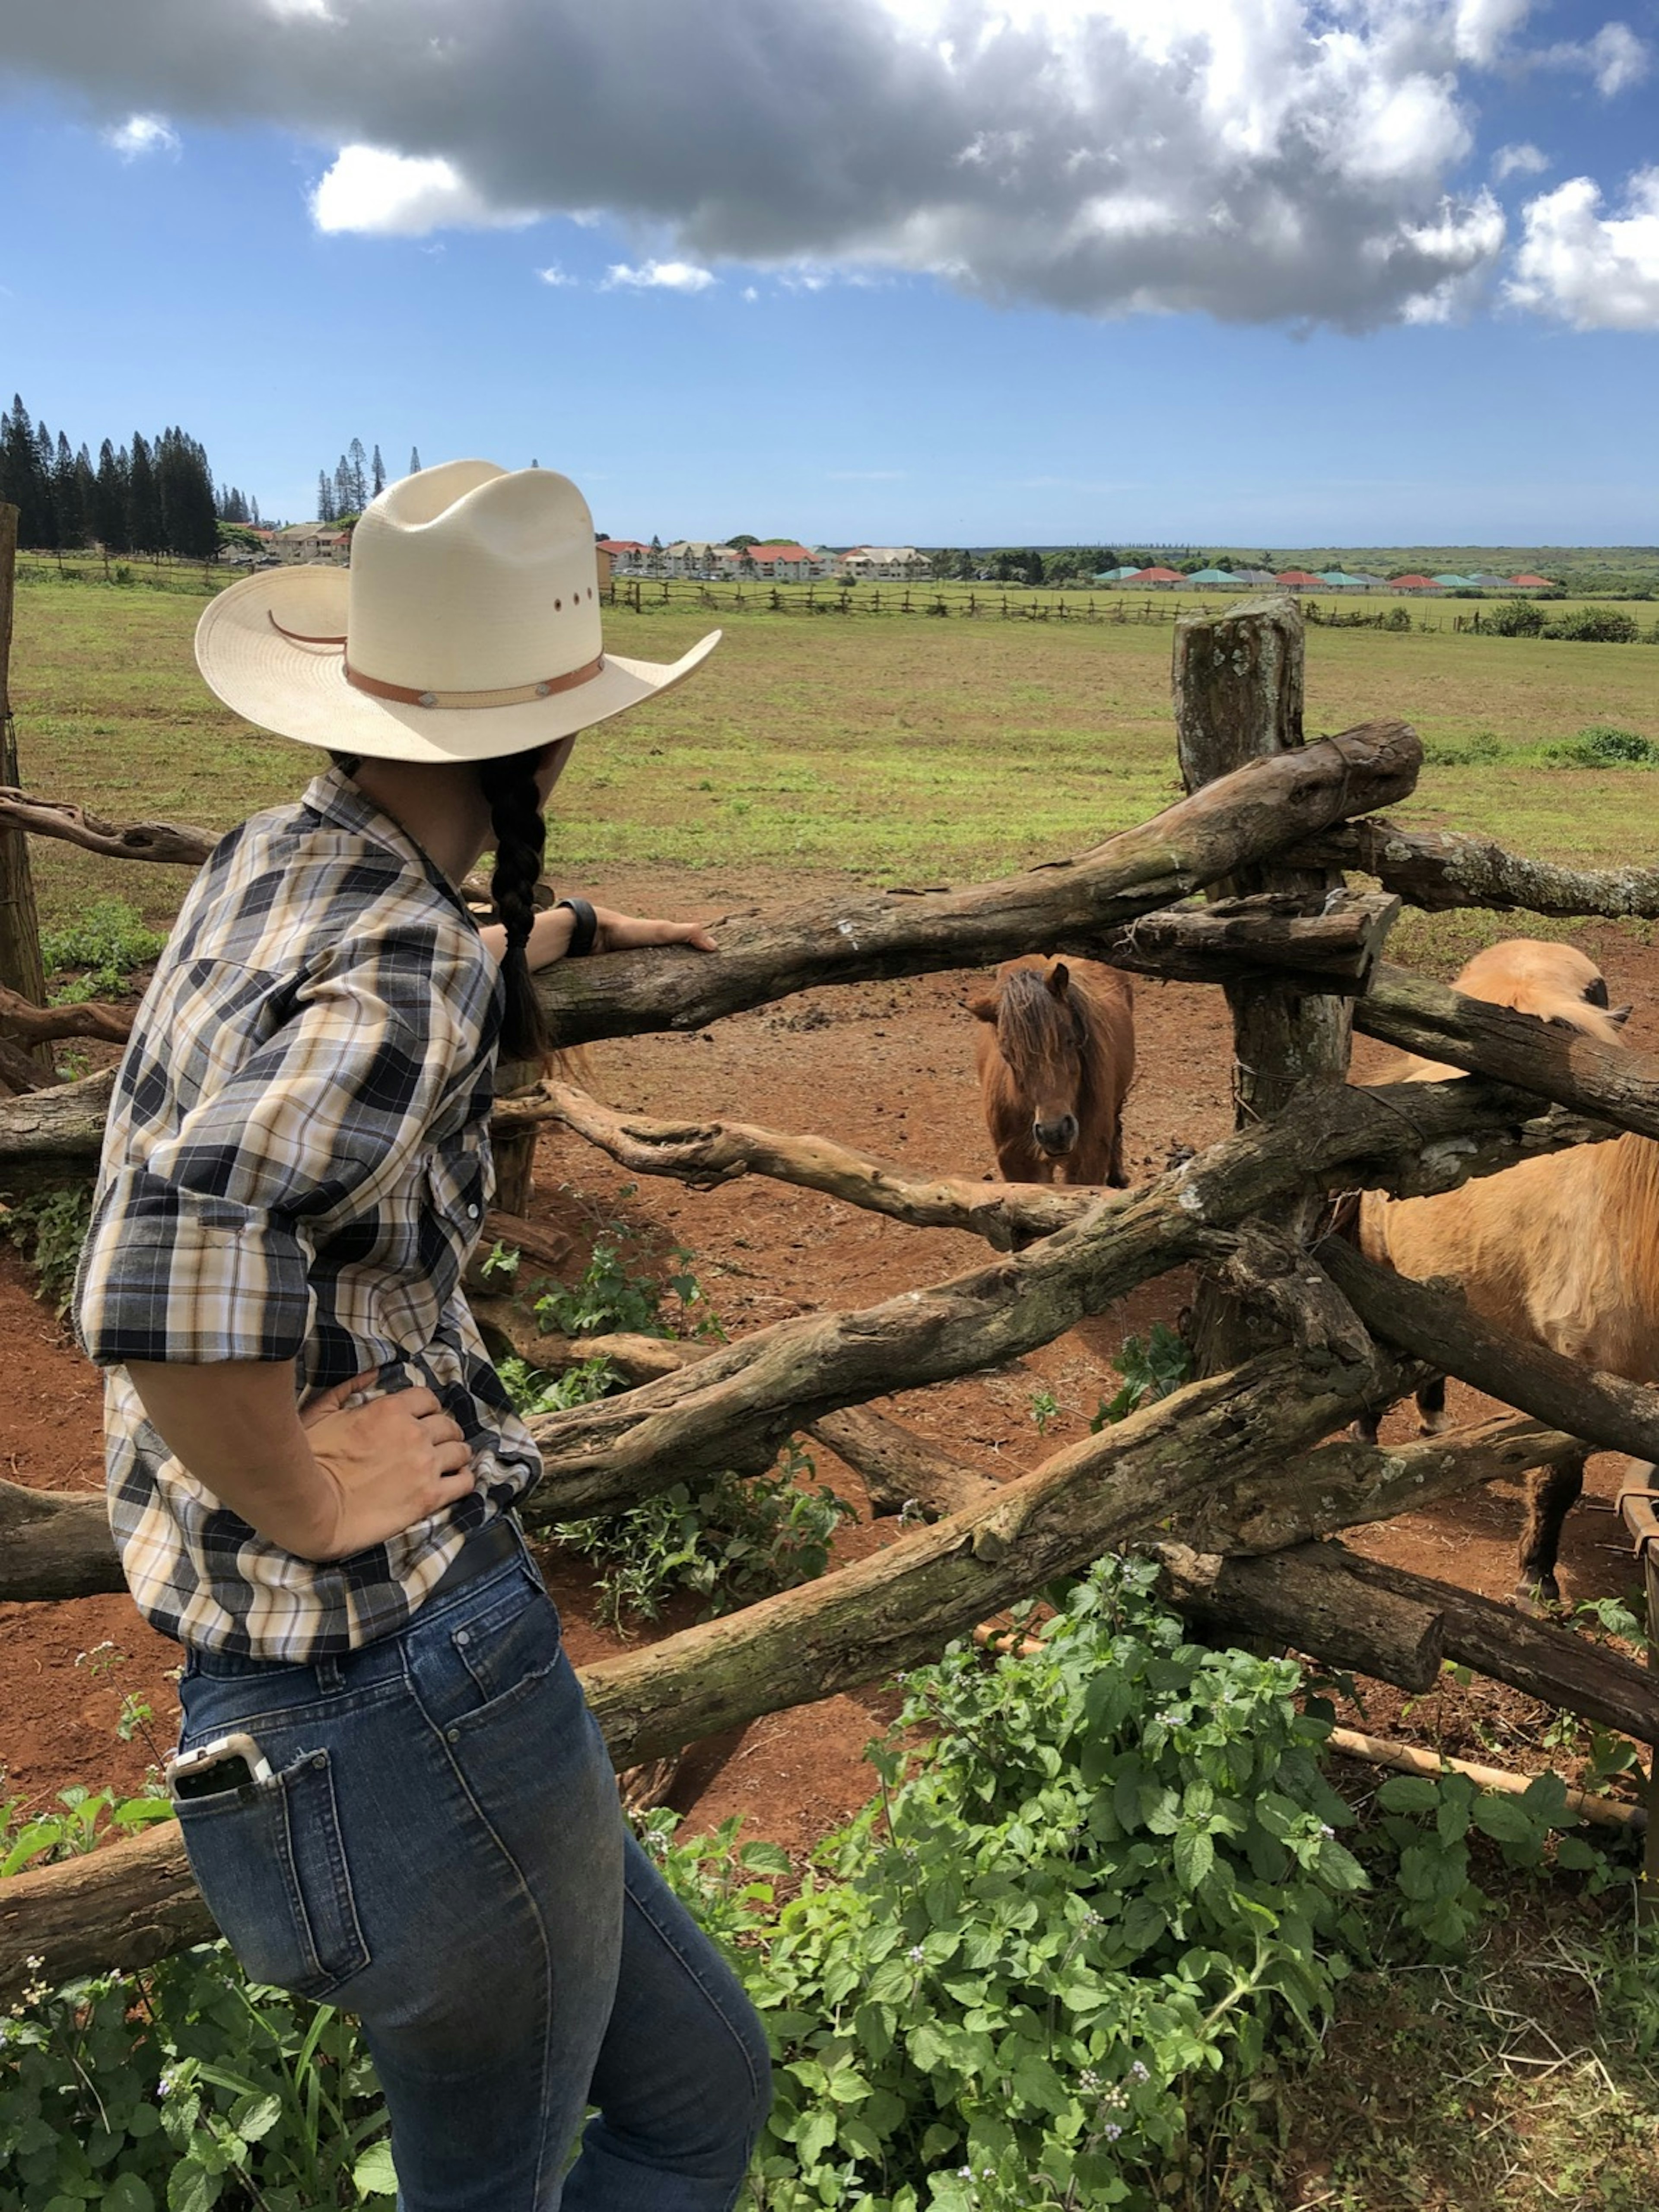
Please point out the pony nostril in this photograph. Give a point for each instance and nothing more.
(1056, 1137)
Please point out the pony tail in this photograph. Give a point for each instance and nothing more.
(515, 812)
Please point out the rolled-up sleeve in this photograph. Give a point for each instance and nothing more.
(203, 1232)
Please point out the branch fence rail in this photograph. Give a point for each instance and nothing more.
(1234, 1481)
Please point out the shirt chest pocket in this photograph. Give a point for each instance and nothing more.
(458, 1182)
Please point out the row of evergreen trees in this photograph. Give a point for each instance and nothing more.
(156, 496)
(356, 479)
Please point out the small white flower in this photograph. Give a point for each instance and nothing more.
(1327, 1831)
(1111, 2132)
(1138, 2073)
(916, 1954)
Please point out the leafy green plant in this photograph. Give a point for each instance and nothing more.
(1600, 745)
(1045, 1409)
(49, 1229)
(1066, 1925)
(184, 2088)
(88, 1817)
(610, 1295)
(1151, 1367)
(1428, 1821)
(1595, 626)
(1479, 750)
(107, 942)
(730, 1540)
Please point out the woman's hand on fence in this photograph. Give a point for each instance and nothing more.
(627, 933)
(385, 1465)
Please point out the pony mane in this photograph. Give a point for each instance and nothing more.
(1030, 1017)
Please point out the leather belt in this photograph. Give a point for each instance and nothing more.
(491, 1547)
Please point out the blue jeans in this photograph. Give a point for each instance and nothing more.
(440, 1851)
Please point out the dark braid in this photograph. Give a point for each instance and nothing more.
(515, 810)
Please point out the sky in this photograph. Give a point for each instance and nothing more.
(1264, 273)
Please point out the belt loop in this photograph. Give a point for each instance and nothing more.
(330, 1676)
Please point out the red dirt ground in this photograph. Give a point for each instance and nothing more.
(888, 1066)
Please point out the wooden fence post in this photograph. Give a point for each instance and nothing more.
(1237, 680)
(20, 968)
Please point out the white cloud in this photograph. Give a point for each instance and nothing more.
(1258, 161)
(554, 274)
(1522, 161)
(404, 196)
(749, 295)
(659, 276)
(142, 134)
(1615, 58)
(1597, 272)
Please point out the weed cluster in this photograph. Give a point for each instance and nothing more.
(106, 945)
(727, 1540)
(50, 1230)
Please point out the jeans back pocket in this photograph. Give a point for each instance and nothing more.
(269, 1859)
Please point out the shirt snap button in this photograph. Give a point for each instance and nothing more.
(453, 1734)
(472, 1214)
(463, 1636)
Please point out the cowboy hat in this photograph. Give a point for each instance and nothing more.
(467, 626)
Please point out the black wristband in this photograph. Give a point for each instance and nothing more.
(587, 928)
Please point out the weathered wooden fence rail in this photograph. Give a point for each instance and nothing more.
(1232, 1480)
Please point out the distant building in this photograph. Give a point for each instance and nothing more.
(1159, 579)
(884, 564)
(627, 556)
(1413, 584)
(1209, 577)
(1299, 579)
(1531, 584)
(311, 541)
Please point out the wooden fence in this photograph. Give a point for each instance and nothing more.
(1233, 1480)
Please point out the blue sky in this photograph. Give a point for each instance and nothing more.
(792, 315)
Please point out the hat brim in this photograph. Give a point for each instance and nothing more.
(300, 691)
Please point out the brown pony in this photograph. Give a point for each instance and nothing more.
(1562, 1250)
(1056, 1056)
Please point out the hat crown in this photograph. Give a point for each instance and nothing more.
(467, 577)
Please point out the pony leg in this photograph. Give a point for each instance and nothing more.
(1115, 1173)
(1552, 1492)
(1362, 1427)
(1431, 1407)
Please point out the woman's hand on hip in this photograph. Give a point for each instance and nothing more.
(385, 1465)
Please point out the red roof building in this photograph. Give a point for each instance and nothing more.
(1298, 579)
(1156, 576)
(1413, 584)
(618, 548)
(1533, 583)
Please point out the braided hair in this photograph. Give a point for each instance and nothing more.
(515, 812)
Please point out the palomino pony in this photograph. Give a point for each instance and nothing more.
(1563, 1251)
(1056, 1055)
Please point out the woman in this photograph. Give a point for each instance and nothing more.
(392, 1793)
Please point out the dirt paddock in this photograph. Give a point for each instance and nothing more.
(887, 1066)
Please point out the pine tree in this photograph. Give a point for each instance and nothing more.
(380, 473)
(146, 530)
(357, 467)
(66, 496)
(324, 498)
(343, 501)
(21, 481)
(45, 468)
(86, 496)
(414, 460)
(185, 488)
(109, 507)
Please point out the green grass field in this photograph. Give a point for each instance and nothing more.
(907, 750)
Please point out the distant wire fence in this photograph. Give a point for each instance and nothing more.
(1026, 603)
(921, 597)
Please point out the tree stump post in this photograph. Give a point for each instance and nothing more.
(20, 968)
(1237, 683)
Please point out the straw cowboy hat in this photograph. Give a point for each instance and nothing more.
(467, 626)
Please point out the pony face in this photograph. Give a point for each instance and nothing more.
(1042, 1038)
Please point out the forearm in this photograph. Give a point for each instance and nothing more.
(236, 1427)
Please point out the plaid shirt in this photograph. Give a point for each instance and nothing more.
(295, 1167)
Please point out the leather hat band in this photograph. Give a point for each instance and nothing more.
(407, 694)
